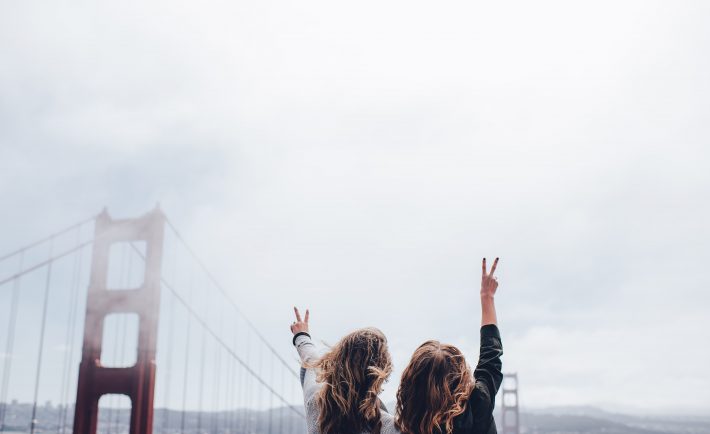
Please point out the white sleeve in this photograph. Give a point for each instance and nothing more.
(307, 351)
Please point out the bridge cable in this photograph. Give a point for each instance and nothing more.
(33, 421)
(234, 383)
(45, 262)
(47, 238)
(187, 354)
(202, 373)
(9, 345)
(282, 409)
(231, 301)
(216, 377)
(69, 340)
(168, 370)
(206, 328)
(261, 394)
(202, 382)
(271, 399)
(228, 406)
(73, 333)
(293, 395)
(231, 351)
(116, 228)
(245, 381)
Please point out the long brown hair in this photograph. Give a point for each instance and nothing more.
(352, 373)
(434, 389)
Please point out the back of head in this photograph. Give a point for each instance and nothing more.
(352, 373)
(434, 389)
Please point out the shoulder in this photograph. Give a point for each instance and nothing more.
(478, 412)
(388, 424)
(480, 400)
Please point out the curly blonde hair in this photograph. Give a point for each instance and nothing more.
(352, 373)
(434, 389)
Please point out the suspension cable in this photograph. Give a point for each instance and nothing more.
(219, 340)
(72, 343)
(187, 357)
(202, 380)
(33, 421)
(291, 423)
(245, 381)
(69, 340)
(228, 297)
(235, 384)
(220, 367)
(47, 238)
(282, 409)
(227, 395)
(9, 346)
(217, 376)
(271, 399)
(168, 370)
(69, 251)
(45, 262)
(260, 394)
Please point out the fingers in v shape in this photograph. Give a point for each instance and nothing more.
(298, 315)
(493, 268)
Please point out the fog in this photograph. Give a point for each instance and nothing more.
(360, 158)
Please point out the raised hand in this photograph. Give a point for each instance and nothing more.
(299, 325)
(489, 283)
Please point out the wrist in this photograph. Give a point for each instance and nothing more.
(487, 296)
(299, 334)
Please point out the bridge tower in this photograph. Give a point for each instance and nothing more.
(137, 381)
(509, 407)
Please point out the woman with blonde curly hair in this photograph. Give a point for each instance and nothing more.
(438, 393)
(341, 388)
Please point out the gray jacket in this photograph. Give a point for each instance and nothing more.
(307, 352)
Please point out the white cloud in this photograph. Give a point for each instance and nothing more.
(361, 162)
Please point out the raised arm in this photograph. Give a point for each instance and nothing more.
(488, 373)
(489, 285)
(307, 352)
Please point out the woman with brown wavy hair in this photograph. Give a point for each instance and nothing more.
(438, 393)
(341, 388)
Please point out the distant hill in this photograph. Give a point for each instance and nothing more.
(554, 420)
(592, 420)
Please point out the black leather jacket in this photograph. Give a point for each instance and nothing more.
(478, 416)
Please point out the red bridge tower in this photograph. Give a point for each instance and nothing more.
(137, 381)
(509, 408)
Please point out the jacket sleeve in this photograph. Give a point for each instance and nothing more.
(488, 373)
(308, 354)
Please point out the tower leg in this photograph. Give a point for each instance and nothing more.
(137, 381)
(509, 408)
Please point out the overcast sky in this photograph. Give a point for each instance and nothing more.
(359, 158)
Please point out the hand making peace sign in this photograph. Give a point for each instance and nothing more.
(489, 283)
(298, 325)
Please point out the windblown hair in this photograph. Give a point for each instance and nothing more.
(352, 373)
(434, 390)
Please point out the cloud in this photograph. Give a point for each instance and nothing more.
(361, 163)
